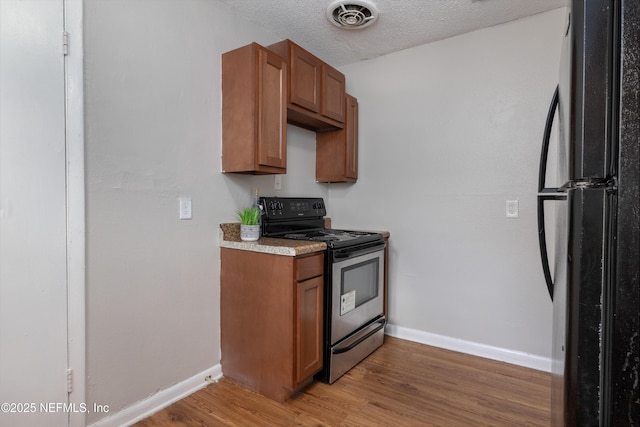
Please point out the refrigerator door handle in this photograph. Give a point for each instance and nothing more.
(542, 171)
(542, 237)
(545, 194)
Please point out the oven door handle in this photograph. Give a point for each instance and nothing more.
(361, 336)
(360, 250)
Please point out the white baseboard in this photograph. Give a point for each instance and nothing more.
(482, 350)
(144, 408)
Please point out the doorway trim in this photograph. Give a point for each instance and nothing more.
(75, 190)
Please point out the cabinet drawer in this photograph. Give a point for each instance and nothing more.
(309, 267)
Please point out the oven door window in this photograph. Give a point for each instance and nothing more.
(359, 284)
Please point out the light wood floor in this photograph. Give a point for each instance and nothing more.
(401, 384)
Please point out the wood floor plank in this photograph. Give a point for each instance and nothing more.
(401, 384)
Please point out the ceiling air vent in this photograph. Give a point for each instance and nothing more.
(352, 14)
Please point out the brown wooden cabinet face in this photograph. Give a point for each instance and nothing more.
(254, 111)
(271, 320)
(333, 84)
(337, 151)
(316, 90)
(351, 129)
(309, 324)
(272, 146)
(305, 79)
(263, 90)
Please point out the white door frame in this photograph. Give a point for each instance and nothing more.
(76, 320)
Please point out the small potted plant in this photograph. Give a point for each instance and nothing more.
(249, 223)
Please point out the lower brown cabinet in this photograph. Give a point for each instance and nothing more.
(271, 309)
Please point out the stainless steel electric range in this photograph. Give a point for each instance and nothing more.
(354, 279)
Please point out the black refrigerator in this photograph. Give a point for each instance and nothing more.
(594, 277)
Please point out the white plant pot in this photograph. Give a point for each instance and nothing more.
(250, 232)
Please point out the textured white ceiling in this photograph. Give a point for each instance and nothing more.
(401, 23)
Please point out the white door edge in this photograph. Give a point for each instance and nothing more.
(76, 317)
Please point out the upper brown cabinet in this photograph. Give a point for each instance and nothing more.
(316, 89)
(254, 111)
(337, 151)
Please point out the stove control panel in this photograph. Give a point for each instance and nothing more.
(292, 207)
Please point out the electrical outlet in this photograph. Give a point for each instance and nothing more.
(277, 182)
(512, 209)
(185, 208)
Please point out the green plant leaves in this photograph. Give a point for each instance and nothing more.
(249, 216)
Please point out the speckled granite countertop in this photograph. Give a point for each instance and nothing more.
(229, 237)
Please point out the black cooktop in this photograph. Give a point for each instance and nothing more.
(303, 219)
(330, 235)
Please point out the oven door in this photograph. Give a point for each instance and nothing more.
(357, 280)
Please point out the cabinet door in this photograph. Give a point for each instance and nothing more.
(254, 111)
(351, 130)
(337, 151)
(333, 83)
(309, 324)
(305, 78)
(272, 110)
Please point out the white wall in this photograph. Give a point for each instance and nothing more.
(153, 134)
(448, 132)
